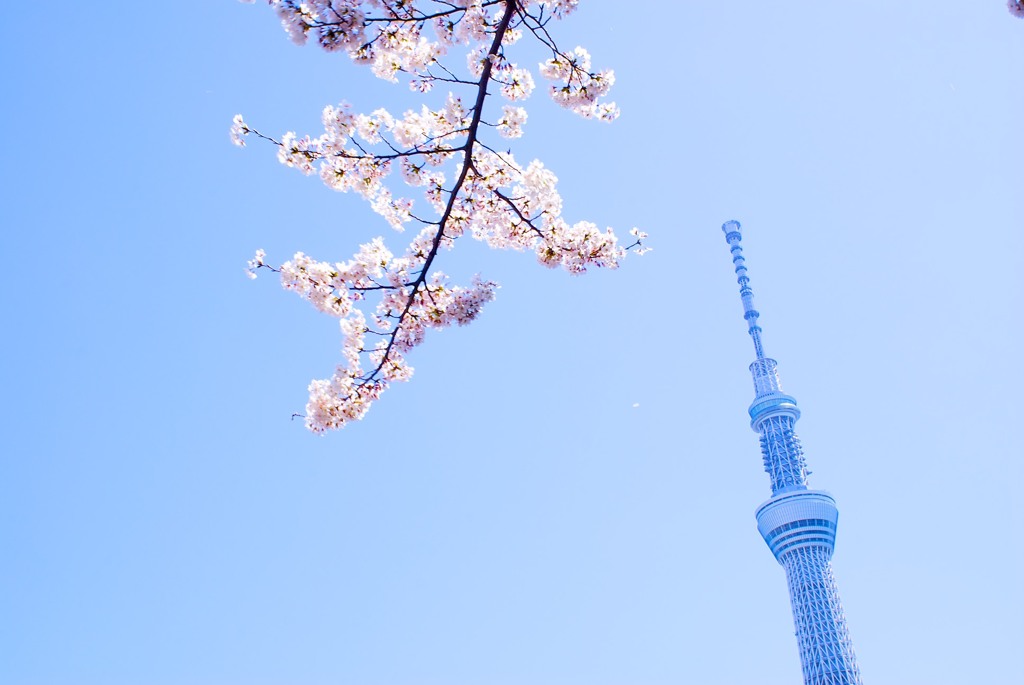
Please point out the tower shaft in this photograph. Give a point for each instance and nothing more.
(797, 524)
(826, 652)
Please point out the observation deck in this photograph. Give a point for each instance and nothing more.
(793, 520)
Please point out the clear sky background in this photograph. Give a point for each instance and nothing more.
(509, 516)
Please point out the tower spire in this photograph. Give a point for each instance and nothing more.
(798, 524)
(733, 236)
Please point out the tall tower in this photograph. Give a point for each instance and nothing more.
(798, 524)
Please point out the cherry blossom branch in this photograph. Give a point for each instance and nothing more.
(478, 107)
(492, 197)
(313, 155)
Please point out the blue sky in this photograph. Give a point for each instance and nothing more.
(509, 516)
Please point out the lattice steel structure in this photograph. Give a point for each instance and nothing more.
(798, 524)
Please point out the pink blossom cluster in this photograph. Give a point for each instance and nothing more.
(509, 207)
(400, 321)
(348, 393)
(1016, 8)
(406, 36)
(578, 88)
(510, 125)
(468, 186)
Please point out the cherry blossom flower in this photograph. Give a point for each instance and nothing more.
(238, 131)
(510, 125)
